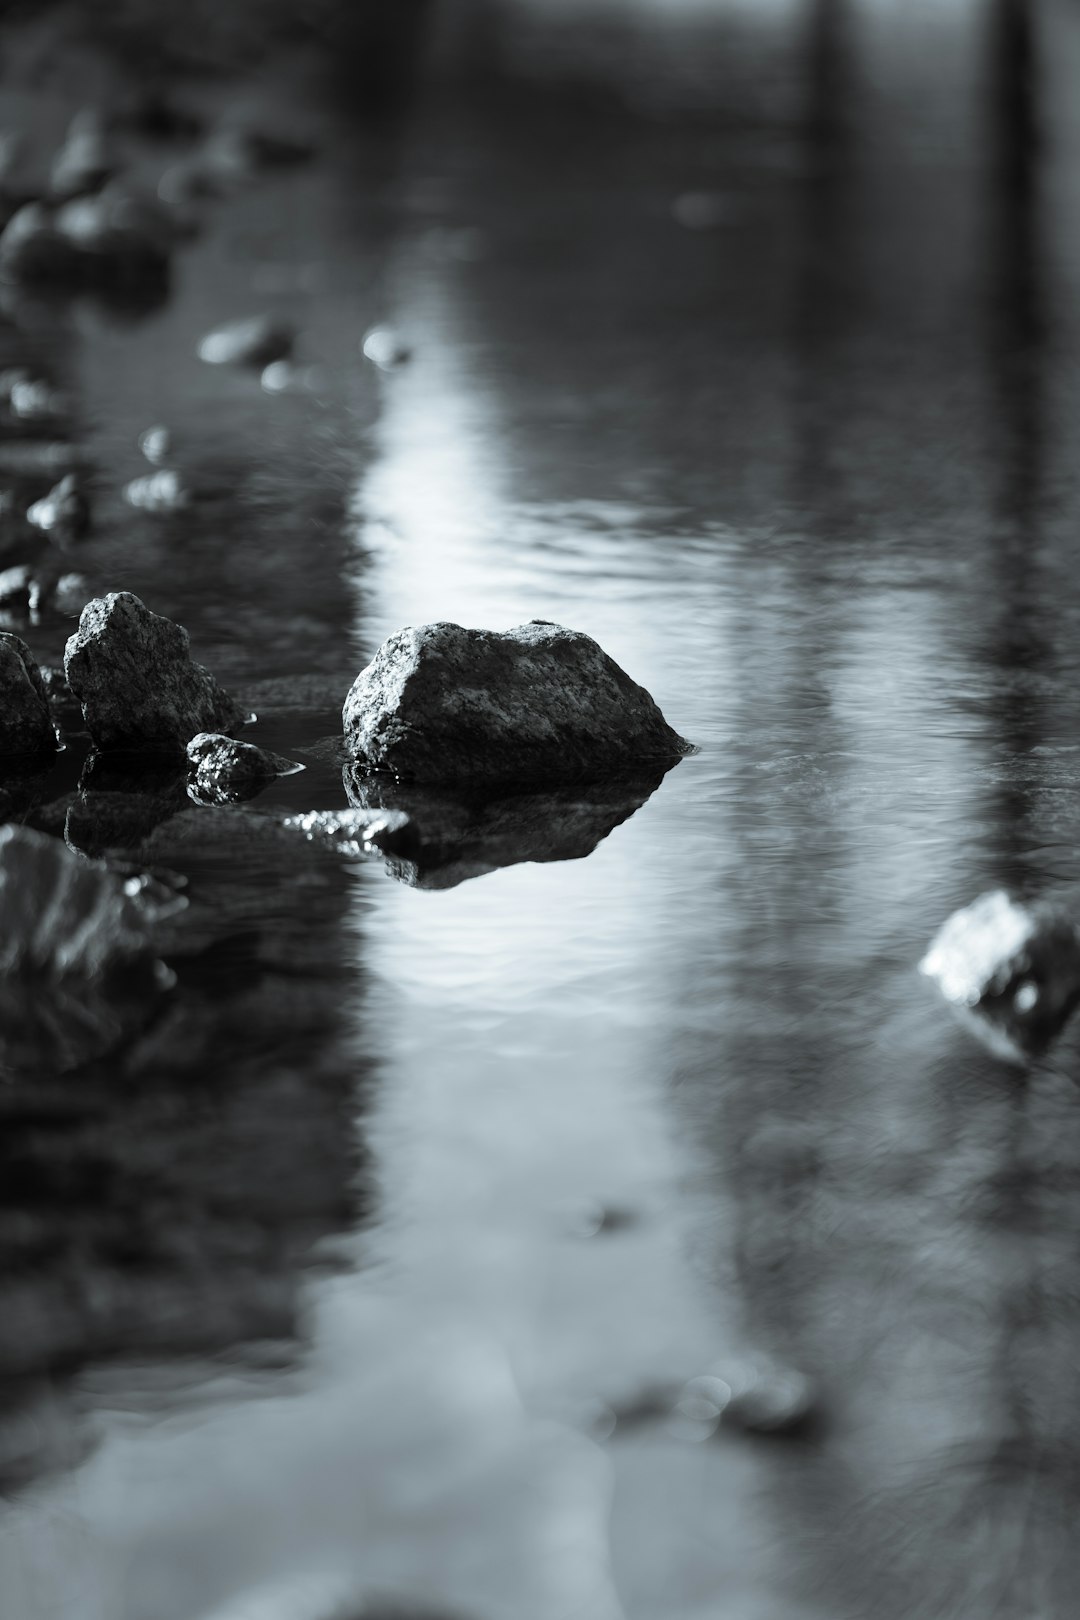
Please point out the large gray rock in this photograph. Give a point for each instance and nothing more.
(26, 725)
(136, 681)
(1011, 971)
(538, 704)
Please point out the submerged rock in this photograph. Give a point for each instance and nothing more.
(255, 342)
(1011, 971)
(538, 704)
(224, 771)
(455, 837)
(26, 725)
(139, 688)
(77, 966)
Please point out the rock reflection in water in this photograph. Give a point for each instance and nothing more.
(461, 837)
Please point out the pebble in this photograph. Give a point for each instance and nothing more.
(256, 341)
(385, 348)
(160, 492)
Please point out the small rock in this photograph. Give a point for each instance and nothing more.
(1011, 971)
(133, 674)
(163, 491)
(256, 342)
(26, 725)
(440, 703)
(33, 250)
(705, 210)
(386, 348)
(64, 513)
(32, 399)
(84, 163)
(16, 584)
(354, 832)
(224, 771)
(155, 444)
(117, 235)
(281, 376)
(77, 966)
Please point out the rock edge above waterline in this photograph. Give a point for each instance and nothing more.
(536, 704)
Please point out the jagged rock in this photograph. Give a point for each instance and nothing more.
(455, 836)
(77, 966)
(254, 342)
(538, 704)
(1011, 971)
(133, 674)
(224, 771)
(32, 249)
(26, 725)
(159, 493)
(64, 513)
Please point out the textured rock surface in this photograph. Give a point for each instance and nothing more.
(254, 342)
(77, 966)
(440, 703)
(1012, 971)
(136, 682)
(25, 721)
(224, 771)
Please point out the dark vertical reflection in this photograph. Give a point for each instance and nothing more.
(1020, 645)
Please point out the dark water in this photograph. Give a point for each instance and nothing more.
(744, 339)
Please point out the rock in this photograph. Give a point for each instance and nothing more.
(32, 399)
(240, 153)
(356, 832)
(160, 492)
(16, 584)
(538, 704)
(1010, 970)
(118, 238)
(83, 164)
(255, 342)
(386, 348)
(155, 444)
(99, 822)
(26, 725)
(186, 183)
(32, 250)
(77, 966)
(224, 771)
(64, 513)
(455, 837)
(139, 689)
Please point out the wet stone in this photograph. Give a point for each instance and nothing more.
(224, 771)
(64, 513)
(26, 725)
(1010, 970)
(155, 444)
(358, 832)
(256, 342)
(83, 164)
(139, 688)
(386, 348)
(159, 493)
(538, 704)
(32, 399)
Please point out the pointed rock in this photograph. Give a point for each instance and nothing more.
(26, 725)
(224, 771)
(138, 686)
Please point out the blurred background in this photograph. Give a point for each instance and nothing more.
(628, 1235)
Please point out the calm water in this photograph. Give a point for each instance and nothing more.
(744, 339)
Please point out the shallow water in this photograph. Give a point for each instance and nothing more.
(375, 1269)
